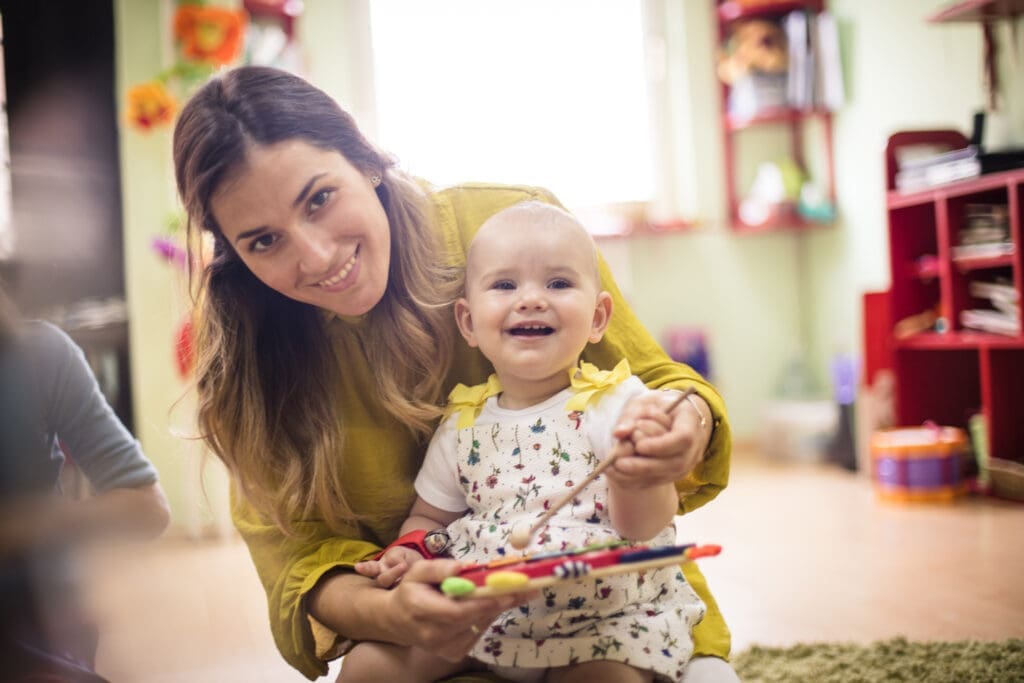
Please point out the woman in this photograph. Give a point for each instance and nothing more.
(326, 342)
(50, 407)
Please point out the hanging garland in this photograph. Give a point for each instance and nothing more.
(206, 37)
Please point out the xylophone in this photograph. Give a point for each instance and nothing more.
(533, 572)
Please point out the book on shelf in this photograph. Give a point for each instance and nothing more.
(1003, 291)
(983, 250)
(985, 223)
(958, 164)
(829, 86)
(1001, 294)
(756, 93)
(815, 75)
(989, 320)
(799, 84)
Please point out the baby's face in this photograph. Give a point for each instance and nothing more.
(533, 300)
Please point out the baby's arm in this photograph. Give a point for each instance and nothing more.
(392, 565)
(640, 508)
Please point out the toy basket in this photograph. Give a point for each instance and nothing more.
(919, 464)
(1006, 478)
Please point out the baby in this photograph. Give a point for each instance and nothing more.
(510, 448)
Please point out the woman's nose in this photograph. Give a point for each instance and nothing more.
(314, 250)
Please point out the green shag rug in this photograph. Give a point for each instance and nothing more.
(886, 660)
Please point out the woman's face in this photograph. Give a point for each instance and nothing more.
(308, 224)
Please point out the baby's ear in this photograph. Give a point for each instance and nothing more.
(464, 320)
(602, 317)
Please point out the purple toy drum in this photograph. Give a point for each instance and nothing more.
(919, 464)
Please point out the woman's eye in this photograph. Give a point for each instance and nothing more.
(262, 243)
(319, 199)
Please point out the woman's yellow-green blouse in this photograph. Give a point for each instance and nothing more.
(381, 457)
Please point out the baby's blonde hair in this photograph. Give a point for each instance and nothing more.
(538, 213)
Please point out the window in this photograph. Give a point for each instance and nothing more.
(541, 92)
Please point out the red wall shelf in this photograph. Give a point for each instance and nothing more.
(965, 265)
(789, 123)
(948, 376)
(960, 340)
(979, 10)
(788, 115)
(733, 10)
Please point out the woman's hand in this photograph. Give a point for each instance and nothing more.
(669, 446)
(421, 616)
(413, 613)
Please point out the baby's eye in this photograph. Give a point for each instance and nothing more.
(318, 200)
(262, 243)
(503, 284)
(560, 283)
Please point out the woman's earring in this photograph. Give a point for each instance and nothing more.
(375, 179)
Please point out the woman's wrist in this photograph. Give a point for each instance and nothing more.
(350, 605)
(695, 403)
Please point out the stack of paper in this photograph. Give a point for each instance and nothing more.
(1003, 317)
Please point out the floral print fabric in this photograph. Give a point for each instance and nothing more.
(513, 465)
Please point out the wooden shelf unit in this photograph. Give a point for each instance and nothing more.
(947, 376)
(790, 122)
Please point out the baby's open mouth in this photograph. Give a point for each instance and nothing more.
(531, 331)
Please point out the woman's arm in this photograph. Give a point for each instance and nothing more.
(140, 512)
(413, 613)
(703, 450)
(310, 574)
(127, 498)
(75, 410)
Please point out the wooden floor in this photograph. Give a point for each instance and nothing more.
(809, 554)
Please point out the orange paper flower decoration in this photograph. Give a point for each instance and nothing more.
(210, 34)
(150, 105)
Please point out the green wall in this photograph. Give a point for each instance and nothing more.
(157, 293)
(154, 293)
(902, 73)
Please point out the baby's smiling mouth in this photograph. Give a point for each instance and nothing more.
(532, 330)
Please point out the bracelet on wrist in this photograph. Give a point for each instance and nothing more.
(693, 402)
(695, 405)
(429, 544)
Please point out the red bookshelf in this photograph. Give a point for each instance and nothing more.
(789, 124)
(946, 376)
(979, 10)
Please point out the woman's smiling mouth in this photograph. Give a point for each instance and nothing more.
(341, 274)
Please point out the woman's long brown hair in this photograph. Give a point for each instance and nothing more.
(266, 372)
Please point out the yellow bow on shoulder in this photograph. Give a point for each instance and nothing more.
(589, 383)
(469, 401)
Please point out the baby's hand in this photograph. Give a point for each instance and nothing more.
(391, 567)
(661, 448)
